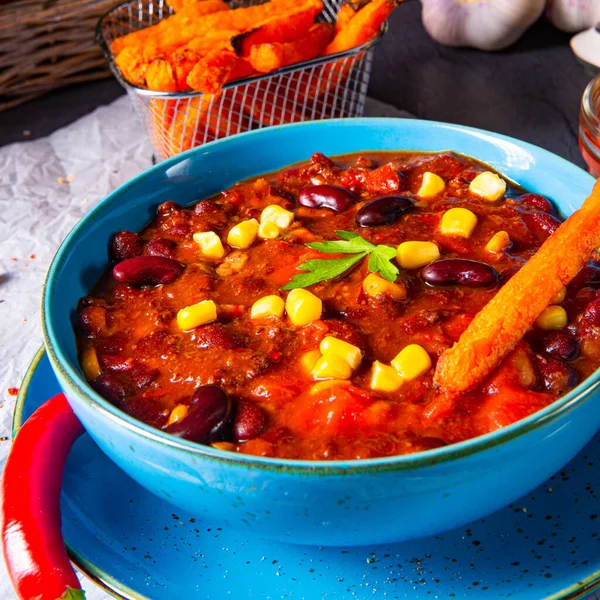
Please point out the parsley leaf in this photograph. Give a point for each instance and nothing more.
(321, 270)
(380, 258)
(349, 245)
(379, 262)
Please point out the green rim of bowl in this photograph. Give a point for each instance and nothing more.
(429, 458)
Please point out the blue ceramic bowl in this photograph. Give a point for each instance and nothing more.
(316, 502)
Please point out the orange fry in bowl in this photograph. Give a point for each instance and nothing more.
(363, 26)
(505, 319)
(270, 57)
(283, 28)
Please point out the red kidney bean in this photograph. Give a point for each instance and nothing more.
(383, 211)
(541, 225)
(180, 229)
(112, 344)
(206, 207)
(215, 336)
(161, 247)
(557, 377)
(323, 161)
(167, 207)
(147, 269)
(127, 245)
(209, 412)
(137, 373)
(561, 344)
(461, 271)
(157, 343)
(536, 202)
(92, 320)
(111, 388)
(591, 314)
(249, 421)
(327, 196)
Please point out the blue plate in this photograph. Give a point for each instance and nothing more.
(135, 545)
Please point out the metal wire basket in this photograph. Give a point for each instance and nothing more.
(328, 87)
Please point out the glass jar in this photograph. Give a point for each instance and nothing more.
(589, 126)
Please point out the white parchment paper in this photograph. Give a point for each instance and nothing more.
(46, 186)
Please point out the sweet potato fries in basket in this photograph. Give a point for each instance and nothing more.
(205, 44)
(215, 68)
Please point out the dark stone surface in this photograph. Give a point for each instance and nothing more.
(530, 91)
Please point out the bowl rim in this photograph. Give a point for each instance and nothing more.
(428, 458)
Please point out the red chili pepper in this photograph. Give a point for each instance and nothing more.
(34, 549)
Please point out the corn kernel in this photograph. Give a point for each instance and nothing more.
(488, 186)
(277, 215)
(210, 244)
(303, 307)
(412, 362)
(224, 446)
(431, 185)
(197, 314)
(458, 221)
(413, 255)
(89, 364)
(309, 360)
(243, 234)
(268, 231)
(498, 242)
(331, 366)
(376, 286)
(350, 353)
(560, 297)
(328, 385)
(552, 318)
(268, 306)
(179, 413)
(385, 378)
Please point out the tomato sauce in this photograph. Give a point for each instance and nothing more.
(135, 354)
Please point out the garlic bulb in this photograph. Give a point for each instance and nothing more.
(573, 15)
(483, 24)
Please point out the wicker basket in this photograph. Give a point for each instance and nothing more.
(328, 87)
(48, 44)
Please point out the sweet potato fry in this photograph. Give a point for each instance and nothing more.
(363, 26)
(344, 16)
(280, 29)
(178, 5)
(270, 57)
(160, 76)
(211, 72)
(132, 65)
(182, 62)
(501, 324)
(188, 13)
